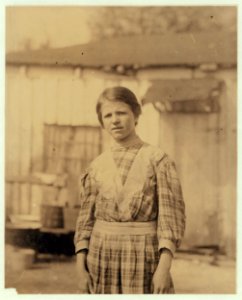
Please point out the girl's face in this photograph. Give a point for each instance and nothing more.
(118, 120)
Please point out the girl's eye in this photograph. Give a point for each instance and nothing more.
(121, 112)
(107, 116)
(118, 113)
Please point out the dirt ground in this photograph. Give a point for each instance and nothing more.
(56, 274)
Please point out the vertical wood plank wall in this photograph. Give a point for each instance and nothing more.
(36, 96)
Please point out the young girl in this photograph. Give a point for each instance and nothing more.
(132, 211)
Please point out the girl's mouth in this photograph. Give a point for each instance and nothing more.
(117, 128)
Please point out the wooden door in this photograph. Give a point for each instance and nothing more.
(196, 153)
(69, 150)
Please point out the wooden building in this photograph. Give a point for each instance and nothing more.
(187, 84)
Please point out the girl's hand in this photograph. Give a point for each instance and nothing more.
(161, 278)
(161, 282)
(83, 277)
(84, 282)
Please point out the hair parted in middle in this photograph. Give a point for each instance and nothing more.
(115, 94)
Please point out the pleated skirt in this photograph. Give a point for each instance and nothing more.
(122, 262)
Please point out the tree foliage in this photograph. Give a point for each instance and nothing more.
(119, 21)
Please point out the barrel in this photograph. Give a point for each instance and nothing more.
(70, 218)
(52, 216)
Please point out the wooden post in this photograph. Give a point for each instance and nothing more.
(37, 163)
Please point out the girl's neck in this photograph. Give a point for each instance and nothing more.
(127, 142)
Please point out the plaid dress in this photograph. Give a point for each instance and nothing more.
(125, 263)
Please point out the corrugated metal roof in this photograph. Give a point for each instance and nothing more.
(169, 49)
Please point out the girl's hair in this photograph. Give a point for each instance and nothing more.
(121, 94)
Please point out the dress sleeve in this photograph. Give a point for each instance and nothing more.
(86, 218)
(171, 215)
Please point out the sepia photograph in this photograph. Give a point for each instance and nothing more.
(121, 149)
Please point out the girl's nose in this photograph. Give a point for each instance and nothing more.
(115, 119)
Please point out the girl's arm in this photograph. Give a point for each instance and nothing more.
(86, 217)
(84, 226)
(171, 220)
(171, 214)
